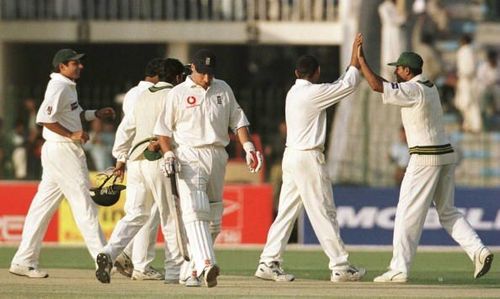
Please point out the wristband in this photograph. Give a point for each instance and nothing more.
(90, 115)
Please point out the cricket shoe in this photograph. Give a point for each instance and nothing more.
(210, 274)
(30, 272)
(273, 271)
(482, 262)
(347, 273)
(124, 265)
(191, 281)
(104, 265)
(392, 276)
(149, 274)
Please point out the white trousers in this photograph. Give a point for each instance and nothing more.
(201, 182)
(469, 105)
(305, 185)
(142, 248)
(422, 186)
(145, 186)
(65, 174)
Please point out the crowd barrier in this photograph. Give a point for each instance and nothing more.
(247, 214)
(366, 216)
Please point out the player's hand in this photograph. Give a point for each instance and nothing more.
(170, 164)
(254, 158)
(154, 146)
(79, 136)
(119, 170)
(107, 112)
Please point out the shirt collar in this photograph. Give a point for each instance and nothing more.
(192, 84)
(145, 83)
(162, 84)
(302, 82)
(62, 78)
(418, 78)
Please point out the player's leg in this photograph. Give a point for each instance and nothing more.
(161, 192)
(42, 208)
(289, 207)
(415, 197)
(196, 209)
(315, 189)
(144, 248)
(456, 225)
(74, 182)
(137, 209)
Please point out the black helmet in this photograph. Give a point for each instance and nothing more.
(106, 195)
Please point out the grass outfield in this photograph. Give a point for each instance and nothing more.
(435, 274)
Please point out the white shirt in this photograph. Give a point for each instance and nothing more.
(139, 122)
(305, 109)
(487, 76)
(197, 117)
(466, 64)
(421, 114)
(133, 94)
(60, 104)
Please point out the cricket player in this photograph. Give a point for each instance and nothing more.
(135, 261)
(305, 180)
(65, 172)
(429, 177)
(145, 184)
(197, 115)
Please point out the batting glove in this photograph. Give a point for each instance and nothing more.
(170, 164)
(253, 157)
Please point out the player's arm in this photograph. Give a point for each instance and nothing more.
(375, 81)
(253, 157)
(103, 113)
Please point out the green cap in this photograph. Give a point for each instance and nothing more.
(409, 59)
(64, 55)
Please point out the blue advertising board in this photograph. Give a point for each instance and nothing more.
(366, 216)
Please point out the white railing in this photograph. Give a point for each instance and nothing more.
(172, 10)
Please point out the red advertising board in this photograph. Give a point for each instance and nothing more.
(247, 214)
(15, 200)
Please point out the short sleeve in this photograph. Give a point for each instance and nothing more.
(404, 94)
(51, 105)
(165, 123)
(237, 117)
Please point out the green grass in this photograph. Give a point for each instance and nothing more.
(428, 267)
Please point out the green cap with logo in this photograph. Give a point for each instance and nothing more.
(409, 59)
(64, 55)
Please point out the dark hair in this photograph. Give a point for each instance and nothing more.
(467, 39)
(154, 67)
(56, 69)
(492, 55)
(171, 69)
(415, 72)
(306, 66)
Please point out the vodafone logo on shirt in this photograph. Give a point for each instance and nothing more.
(191, 101)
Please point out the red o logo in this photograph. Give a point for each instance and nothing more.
(191, 100)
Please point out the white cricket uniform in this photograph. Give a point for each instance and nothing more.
(198, 121)
(142, 248)
(466, 101)
(429, 177)
(305, 176)
(65, 174)
(145, 183)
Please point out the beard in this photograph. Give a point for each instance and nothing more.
(399, 79)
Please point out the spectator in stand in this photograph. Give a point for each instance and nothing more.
(101, 140)
(434, 65)
(400, 156)
(393, 38)
(19, 155)
(488, 88)
(465, 101)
